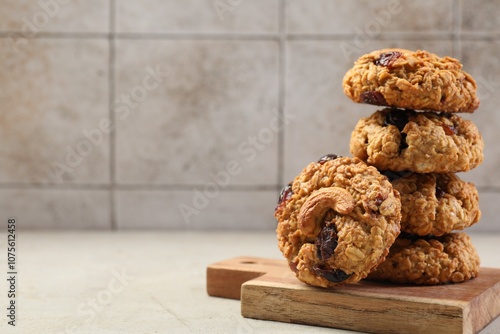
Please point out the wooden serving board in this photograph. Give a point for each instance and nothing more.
(269, 290)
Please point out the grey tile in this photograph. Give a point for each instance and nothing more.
(152, 16)
(477, 60)
(54, 92)
(480, 16)
(488, 203)
(32, 16)
(324, 117)
(212, 112)
(200, 209)
(367, 18)
(56, 209)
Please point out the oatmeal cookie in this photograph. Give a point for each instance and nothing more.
(421, 142)
(429, 260)
(435, 203)
(337, 221)
(413, 80)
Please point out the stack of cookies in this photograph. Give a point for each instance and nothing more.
(420, 152)
(389, 212)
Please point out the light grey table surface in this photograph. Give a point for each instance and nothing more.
(145, 282)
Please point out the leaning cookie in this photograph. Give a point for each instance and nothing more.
(421, 142)
(413, 80)
(435, 203)
(337, 221)
(450, 258)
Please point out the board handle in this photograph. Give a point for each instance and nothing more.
(224, 278)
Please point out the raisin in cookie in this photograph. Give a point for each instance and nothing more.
(413, 80)
(337, 221)
(435, 203)
(430, 260)
(421, 142)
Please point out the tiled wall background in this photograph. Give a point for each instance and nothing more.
(122, 114)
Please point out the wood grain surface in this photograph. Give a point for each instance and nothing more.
(269, 290)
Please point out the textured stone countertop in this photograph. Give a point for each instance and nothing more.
(144, 282)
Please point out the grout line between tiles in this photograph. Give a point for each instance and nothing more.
(129, 187)
(431, 36)
(479, 36)
(488, 189)
(55, 34)
(112, 135)
(388, 36)
(140, 35)
(132, 187)
(159, 187)
(282, 88)
(457, 29)
(203, 36)
(52, 186)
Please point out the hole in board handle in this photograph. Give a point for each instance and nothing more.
(248, 262)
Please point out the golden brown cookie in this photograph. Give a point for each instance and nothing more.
(435, 203)
(413, 80)
(337, 221)
(421, 142)
(430, 260)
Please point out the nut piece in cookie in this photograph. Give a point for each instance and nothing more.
(429, 260)
(416, 80)
(421, 142)
(337, 221)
